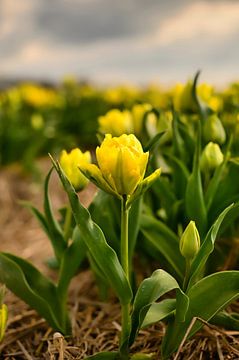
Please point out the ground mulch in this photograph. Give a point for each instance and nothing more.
(96, 324)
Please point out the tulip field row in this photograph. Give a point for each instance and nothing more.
(37, 119)
(165, 164)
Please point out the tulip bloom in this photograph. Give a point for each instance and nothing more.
(70, 163)
(116, 122)
(122, 165)
(138, 112)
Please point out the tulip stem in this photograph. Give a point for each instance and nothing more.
(126, 321)
(187, 273)
(124, 238)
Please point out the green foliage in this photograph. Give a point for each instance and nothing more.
(206, 298)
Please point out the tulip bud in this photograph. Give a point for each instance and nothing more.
(211, 158)
(116, 122)
(213, 130)
(70, 164)
(190, 241)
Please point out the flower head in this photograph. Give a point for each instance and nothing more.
(70, 163)
(121, 165)
(138, 112)
(116, 122)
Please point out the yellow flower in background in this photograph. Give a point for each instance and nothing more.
(39, 96)
(182, 97)
(207, 94)
(138, 111)
(157, 96)
(184, 102)
(70, 163)
(122, 94)
(116, 122)
(121, 165)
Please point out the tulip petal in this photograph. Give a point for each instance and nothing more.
(93, 173)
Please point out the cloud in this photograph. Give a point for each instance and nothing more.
(128, 40)
(200, 19)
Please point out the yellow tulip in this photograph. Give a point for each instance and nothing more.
(182, 97)
(116, 122)
(70, 164)
(138, 111)
(39, 96)
(121, 165)
(184, 102)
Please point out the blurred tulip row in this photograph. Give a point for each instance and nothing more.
(36, 119)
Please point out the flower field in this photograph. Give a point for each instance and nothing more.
(120, 222)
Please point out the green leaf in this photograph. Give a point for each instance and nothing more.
(163, 193)
(229, 321)
(152, 144)
(104, 256)
(215, 182)
(38, 215)
(203, 109)
(194, 199)
(108, 218)
(206, 298)
(162, 238)
(56, 235)
(71, 261)
(180, 175)
(159, 311)
(229, 218)
(25, 281)
(150, 290)
(227, 192)
(105, 355)
(206, 248)
(178, 142)
(101, 281)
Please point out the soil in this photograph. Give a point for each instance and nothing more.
(96, 324)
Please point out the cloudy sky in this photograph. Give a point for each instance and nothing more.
(120, 41)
